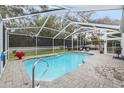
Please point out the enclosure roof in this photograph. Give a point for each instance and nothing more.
(77, 9)
(66, 9)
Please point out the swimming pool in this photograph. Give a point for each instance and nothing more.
(59, 65)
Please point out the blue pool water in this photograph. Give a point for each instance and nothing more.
(58, 65)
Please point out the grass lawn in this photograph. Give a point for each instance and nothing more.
(39, 52)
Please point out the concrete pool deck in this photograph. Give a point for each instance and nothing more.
(99, 71)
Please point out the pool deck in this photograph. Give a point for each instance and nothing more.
(99, 71)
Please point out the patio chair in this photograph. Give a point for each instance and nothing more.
(118, 54)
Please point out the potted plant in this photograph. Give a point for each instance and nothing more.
(19, 54)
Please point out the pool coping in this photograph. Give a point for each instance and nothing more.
(47, 55)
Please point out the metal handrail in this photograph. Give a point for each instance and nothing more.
(33, 71)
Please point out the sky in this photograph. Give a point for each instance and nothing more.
(114, 14)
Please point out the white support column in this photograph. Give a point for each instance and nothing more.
(122, 31)
(112, 46)
(1, 42)
(36, 45)
(122, 43)
(6, 45)
(72, 42)
(80, 40)
(77, 42)
(64, 44)
(105, 42)
(53, 44)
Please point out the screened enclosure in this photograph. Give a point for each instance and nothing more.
(47, 29)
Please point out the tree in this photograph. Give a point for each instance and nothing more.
(18, 10)
(85, 16)
(9, 11)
